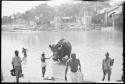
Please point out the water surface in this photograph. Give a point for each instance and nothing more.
(89, 46)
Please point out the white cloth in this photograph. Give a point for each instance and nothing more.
(16, 61)
(49, 68)
(74, 77)
(43, 64)
(80, 76)
(24, 61)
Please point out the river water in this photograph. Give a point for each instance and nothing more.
(89, 46)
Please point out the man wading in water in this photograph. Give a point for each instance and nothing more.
(73, 64)
(106, 66)
(43, 60)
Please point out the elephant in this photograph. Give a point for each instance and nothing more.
(61, 49)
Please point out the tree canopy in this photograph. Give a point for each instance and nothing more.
(46, 13)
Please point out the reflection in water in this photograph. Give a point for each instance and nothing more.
(90, 47)
(77, 38)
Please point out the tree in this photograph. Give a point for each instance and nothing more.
(45, 13)
(6, 20)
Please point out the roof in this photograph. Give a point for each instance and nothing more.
(66, 17)
(116, 10)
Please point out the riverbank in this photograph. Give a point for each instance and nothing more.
(27, 28)
(21, 27)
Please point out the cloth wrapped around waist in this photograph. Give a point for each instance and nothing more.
(75, 76)
(43, 64)
(18, 71)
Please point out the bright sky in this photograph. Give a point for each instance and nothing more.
(112, 2)
(10, 7)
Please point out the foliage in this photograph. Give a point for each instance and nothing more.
(46, 13)
(6, 19)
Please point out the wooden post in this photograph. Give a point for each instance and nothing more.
(2, 76)
(106, 16)
(113, 22)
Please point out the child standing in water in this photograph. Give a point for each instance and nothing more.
(43, 61)
(24, 51)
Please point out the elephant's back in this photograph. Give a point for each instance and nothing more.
(67, 46)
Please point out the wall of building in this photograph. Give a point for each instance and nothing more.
(118, 22)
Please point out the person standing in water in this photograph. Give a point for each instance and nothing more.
(16, 62)
(106, 66)
(24, 51)
(74, 66)
(1, 75)
(43, 61)
(122, 78)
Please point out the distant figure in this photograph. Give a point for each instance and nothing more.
(16, 62)
(74, 72)
(122, 78)
(1, 75)
(106, 66)
(43, 60)
(24, 51)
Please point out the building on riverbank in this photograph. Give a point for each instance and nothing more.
(74, 22)
(112, 17)
(117, 17)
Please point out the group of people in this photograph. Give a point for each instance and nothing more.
(73, 64)
(73, 67)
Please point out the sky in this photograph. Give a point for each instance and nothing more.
(11, 7)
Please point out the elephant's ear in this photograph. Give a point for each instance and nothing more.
(52, 47)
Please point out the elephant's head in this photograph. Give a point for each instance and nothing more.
(55, 49)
